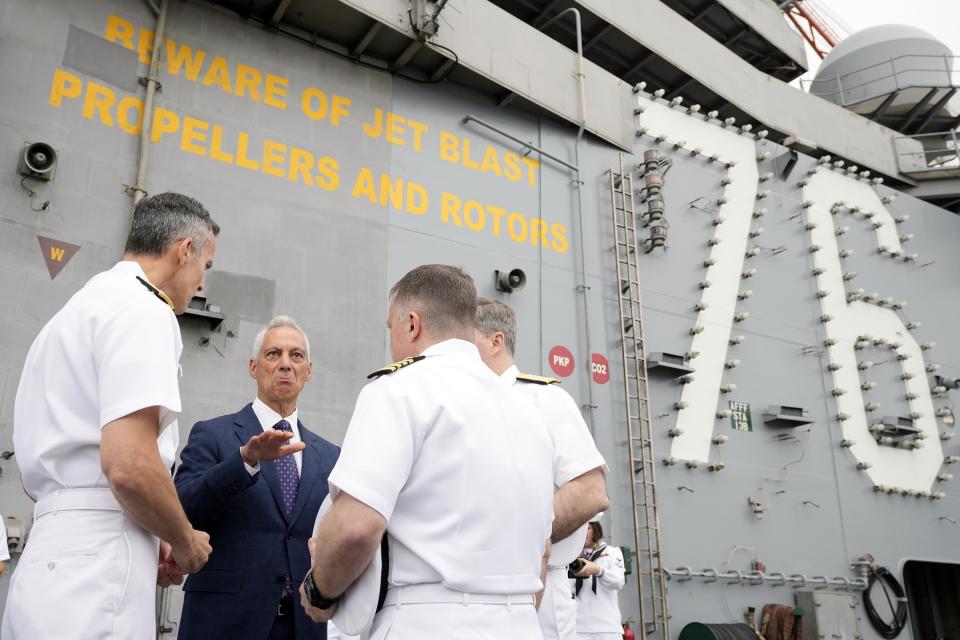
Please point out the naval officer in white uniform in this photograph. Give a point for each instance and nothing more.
(578, 467)
(456, 468)
(95, 432)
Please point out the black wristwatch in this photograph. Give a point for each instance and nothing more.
(316, 600)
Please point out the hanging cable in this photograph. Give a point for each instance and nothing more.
(886, 579)
(32, 195)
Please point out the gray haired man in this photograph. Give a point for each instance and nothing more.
(255, 479)
(95, 431)
(578, 466)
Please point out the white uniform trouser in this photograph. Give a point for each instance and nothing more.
(558, 609)
(428, 611)
(335, 634)
(87, 572)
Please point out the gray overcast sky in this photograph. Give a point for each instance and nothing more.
(941, 18)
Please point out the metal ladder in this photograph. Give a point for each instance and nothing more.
(651, 581)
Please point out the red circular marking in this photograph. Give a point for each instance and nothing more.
(600, 369)
(561, 361)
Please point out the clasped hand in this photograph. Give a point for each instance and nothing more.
(168, 572)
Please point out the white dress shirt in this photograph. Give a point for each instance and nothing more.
(268, 417)
(113, 349)
(574, 452)
(460, 466)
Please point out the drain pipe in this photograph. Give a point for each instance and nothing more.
(583, 287)
(580, 75)
(147, 121)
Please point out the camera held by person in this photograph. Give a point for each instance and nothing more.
(575, 567)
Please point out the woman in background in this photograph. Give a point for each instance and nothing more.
(596, 587)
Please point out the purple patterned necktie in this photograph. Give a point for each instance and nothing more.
(287, 471)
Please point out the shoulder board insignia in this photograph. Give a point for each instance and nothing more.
(390, 368)
(529, 377)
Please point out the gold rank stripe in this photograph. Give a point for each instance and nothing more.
(390, 368)
(529, 377)
(157, 292)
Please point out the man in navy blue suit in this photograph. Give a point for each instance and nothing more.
(255, 480)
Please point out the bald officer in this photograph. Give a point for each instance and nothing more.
(95, 431)
(454, 466)
(578, 467)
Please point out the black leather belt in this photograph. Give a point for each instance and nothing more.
(285, 606)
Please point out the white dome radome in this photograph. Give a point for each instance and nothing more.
(867, 67)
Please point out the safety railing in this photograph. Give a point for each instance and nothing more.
(775, 579)
(895, 74)
(937, 153)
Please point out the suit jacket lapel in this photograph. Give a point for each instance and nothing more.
(311, 471)
(248, 425)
